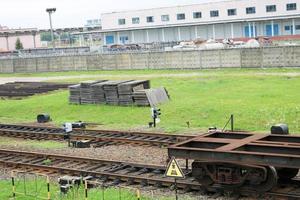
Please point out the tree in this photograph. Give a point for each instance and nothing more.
(19, 44)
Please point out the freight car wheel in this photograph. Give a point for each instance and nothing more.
(199, 172)
(287, 173)
(270, 182)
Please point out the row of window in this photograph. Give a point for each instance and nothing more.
(249, 31)
(213, 13)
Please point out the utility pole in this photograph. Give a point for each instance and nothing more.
(50, 11)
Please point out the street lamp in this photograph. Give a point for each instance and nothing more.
(50, 11)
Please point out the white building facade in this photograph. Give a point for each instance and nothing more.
(216, 20)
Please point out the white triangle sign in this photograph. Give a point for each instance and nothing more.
(173, 169)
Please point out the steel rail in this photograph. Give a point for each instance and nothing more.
(99, 137)
(117, 171)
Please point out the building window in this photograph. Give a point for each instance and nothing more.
(135, 20)
(110, 39)
(287, 28)
(181, 16)
(271, 8)
(150, 19)
(214, 13)
(291, 6)
(272, 31)
(165, 18)
(231, 12)
(297, 27)
(122, 21)
(124, 39)
(250, 10)
(197, 15)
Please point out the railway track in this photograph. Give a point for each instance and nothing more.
(97, 137)
(118, 172)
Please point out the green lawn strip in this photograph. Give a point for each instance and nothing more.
(256, 101)
(34, 144)
(29, 188)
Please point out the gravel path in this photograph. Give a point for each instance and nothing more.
(180, 75)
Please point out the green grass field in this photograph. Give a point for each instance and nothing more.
(258, 99)
(30, 189)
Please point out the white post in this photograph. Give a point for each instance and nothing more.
(104, 39)
(294, 26)
(179, 34)
(118, 38)
(232, 31)
(132, 37)
(272, 28)
(196, 32)
(254, 29)
(80, 40)
(7, 42)
(214, 31)
(34, 42)
(147, 36)
(250, 31)
(163, 34)
(91, 40)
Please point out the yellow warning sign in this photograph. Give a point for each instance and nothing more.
(173, 169)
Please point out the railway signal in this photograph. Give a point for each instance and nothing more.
(155, 113)
(68, 129)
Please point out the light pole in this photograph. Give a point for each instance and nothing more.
(50, 11)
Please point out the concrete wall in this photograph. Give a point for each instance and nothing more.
(225, 58)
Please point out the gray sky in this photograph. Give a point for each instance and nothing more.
(70, 13)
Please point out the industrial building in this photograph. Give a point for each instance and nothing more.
(29, 37)
(214, 20)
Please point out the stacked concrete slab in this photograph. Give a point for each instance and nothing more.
(125, 93)
(99, 93)
(74, 97)
(111, 92)
(126, 90)
(86, 91)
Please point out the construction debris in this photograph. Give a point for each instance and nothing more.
(125, 93)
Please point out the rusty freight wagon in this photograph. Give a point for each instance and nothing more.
(236, 160)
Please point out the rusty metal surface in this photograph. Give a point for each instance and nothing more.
(244, 148)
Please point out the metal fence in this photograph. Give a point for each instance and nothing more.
(36, 186)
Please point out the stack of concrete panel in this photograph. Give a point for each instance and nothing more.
(129, 92)
(150, 97)
(99, 93)
(125, 90)
(140, 98)
(74, 97)
(111, 92)
(86, 92)
(157, 96)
